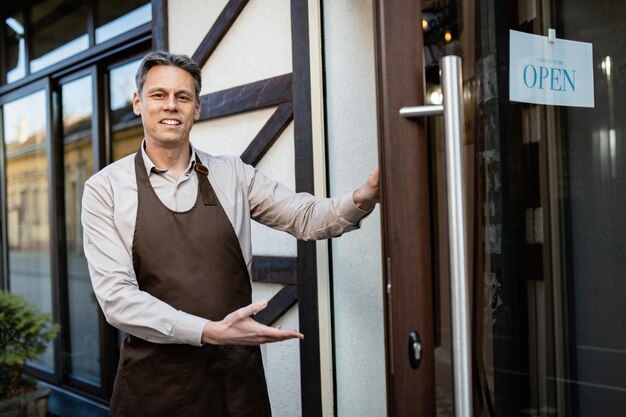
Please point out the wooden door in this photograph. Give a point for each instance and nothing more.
(405, 209)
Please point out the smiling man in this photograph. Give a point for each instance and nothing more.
(167, 236)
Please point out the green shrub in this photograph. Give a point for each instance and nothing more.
(24, 334)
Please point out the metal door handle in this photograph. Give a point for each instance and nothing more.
(452, 110)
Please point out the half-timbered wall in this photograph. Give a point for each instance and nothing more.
(251, 47)
(256, 47)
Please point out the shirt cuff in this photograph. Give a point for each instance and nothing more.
(347, 210)
(188, 329)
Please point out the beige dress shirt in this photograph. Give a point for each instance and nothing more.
(109, 211)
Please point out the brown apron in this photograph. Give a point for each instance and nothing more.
(192, 260)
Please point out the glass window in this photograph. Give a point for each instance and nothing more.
(115, 18)
(84, 350)
(14, 48)
(58, 31)
(24, 133)
(126, 128)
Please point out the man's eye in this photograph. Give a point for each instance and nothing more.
(183, 98)
(158, 95)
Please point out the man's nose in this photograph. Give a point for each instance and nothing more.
(170, 104)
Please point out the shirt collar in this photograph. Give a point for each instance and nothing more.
(150, 167)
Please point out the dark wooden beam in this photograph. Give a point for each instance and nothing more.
(310, 373)
(160, 32)
(218, 30)
(274, 270)
(257, 95)
(268, 134)
(278, 305)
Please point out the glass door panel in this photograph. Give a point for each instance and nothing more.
(28, 224)
(593, 157)
(544, 190)
(83, 355)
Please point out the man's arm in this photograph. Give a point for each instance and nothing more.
(305, 216)
(137, 312)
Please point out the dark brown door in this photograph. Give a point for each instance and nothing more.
(405, 208)
(545, 241)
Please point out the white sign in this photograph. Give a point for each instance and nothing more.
(556, 72)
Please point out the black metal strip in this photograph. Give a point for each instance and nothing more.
(218, 30)
(274, 270)
(257, 95)
(268, 134)
(278, 305)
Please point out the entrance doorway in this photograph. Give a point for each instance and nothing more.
(544, 197)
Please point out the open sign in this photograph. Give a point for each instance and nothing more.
(557, 72)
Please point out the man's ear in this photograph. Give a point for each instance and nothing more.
(196, 115)
(137, 104)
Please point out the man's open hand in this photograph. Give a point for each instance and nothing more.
(239, 328)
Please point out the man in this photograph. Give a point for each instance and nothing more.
(167, 238)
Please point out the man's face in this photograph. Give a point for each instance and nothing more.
(167, 106)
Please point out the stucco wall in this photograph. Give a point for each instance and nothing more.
(356, 257)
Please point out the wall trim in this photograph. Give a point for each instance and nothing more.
(320, 168)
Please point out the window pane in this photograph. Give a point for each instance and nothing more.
(84, 349)
(126, 128)
(28, 227)
(59, 30)
(14, 48)
(117, 17)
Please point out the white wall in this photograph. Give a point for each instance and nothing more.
(356, 257)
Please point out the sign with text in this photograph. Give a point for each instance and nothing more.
(557, 72)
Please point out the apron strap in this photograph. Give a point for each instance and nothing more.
(208, 195)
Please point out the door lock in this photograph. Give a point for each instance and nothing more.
(415, 349)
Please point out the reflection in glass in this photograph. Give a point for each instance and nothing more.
(14, 48)
(28, 223)
(594, 159)
(77, 109)
(58, 31)
(126, 128)
(115, 18)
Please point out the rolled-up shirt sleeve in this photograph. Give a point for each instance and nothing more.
(300, 214)
(114, 281)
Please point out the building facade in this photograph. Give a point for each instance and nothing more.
(309, 92)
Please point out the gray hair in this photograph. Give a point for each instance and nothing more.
(181, 61)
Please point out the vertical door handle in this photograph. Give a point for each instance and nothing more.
(452, 110)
